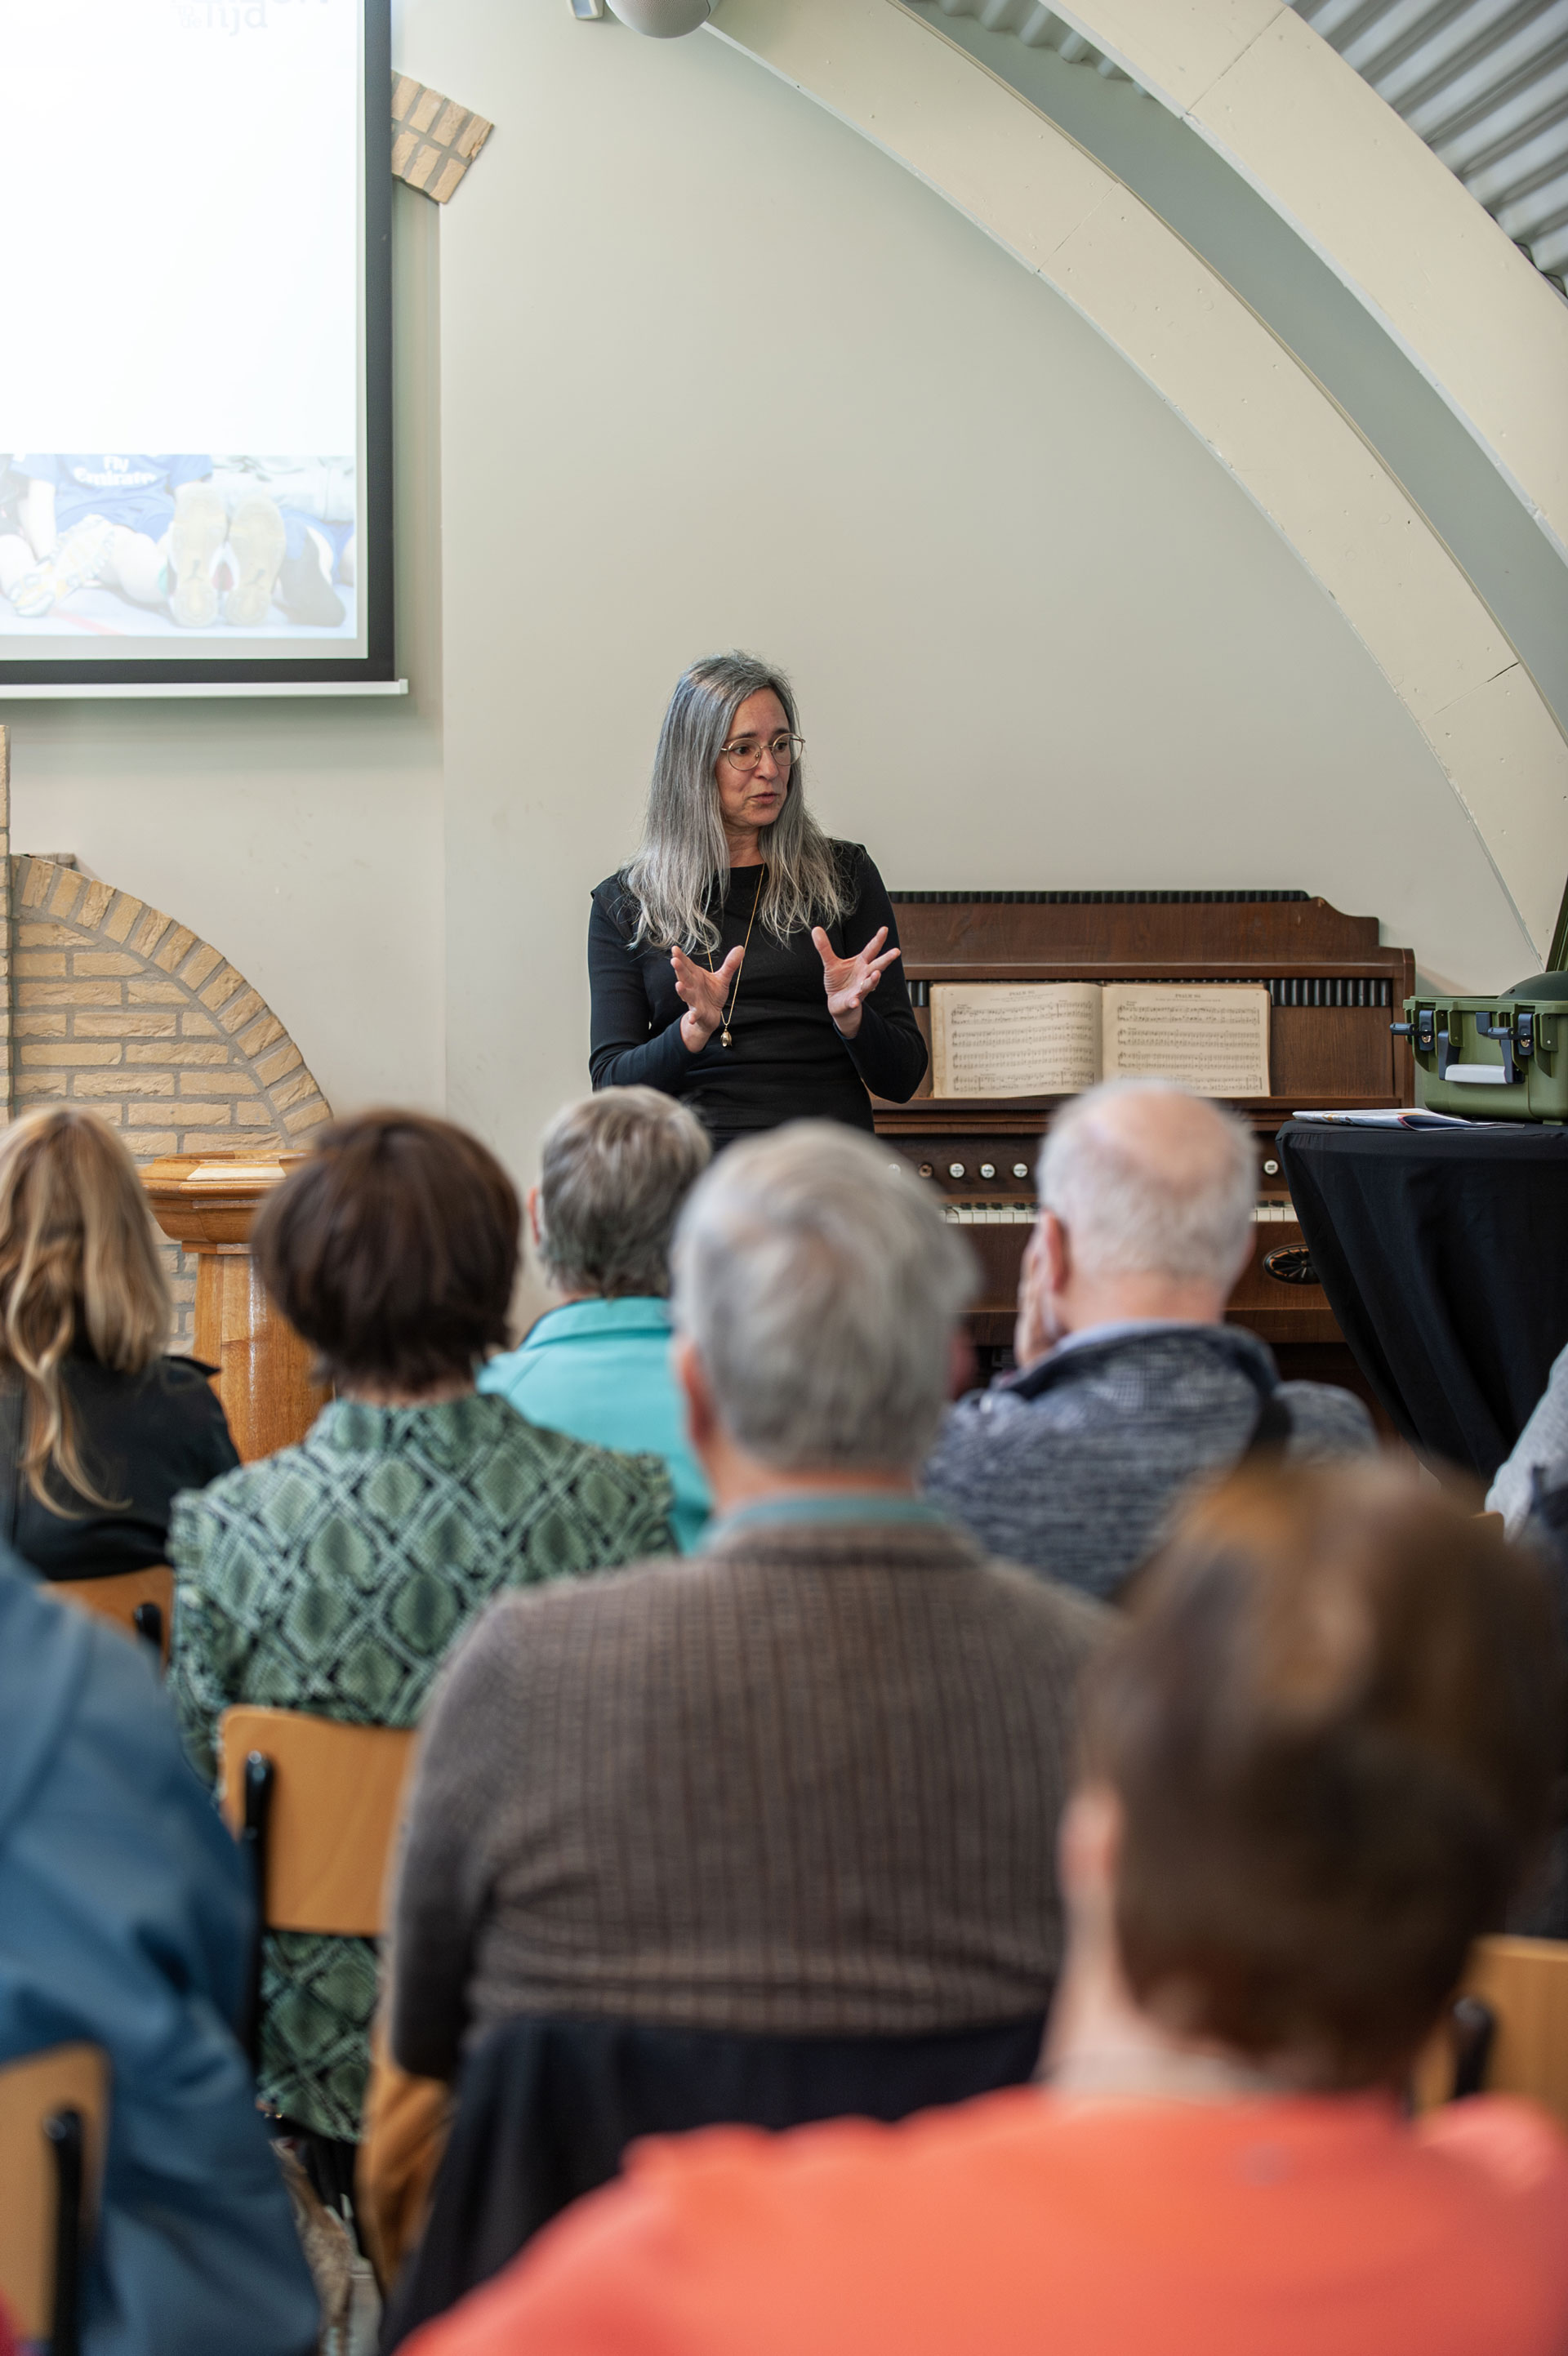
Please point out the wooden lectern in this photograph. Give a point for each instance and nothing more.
(206, 1204)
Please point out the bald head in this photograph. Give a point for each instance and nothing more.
(1151, 1183)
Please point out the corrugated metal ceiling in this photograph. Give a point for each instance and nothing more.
(1483, 82)
(1035, 26)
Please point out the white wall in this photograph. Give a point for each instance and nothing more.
(302, 839)
(715, 372)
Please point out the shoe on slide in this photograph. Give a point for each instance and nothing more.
(303, 591)
(257, 535)
(77, 560)
(35, 592)
(199, 529)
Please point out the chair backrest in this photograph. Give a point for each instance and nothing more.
(336, 1803)
(547, 2105)
(1523, 1985)
(119, 1596)
(50, 2176)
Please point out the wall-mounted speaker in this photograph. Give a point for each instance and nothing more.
(664, 20)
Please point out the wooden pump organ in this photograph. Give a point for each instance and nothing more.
(1334, 991)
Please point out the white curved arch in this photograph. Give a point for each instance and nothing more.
(1317, 144)
(933, 108)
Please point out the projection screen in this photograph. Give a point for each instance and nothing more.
(196, 266)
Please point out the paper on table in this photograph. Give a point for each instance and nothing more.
(1015, 1038)
(1398, 1117)
(1214, 1036)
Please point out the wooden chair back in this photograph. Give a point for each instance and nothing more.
(120, 1595)
(1523, 1985)
(53, 2120)
(335, 1800)
(402, 2135)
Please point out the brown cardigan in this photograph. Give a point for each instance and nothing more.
(806, 1782)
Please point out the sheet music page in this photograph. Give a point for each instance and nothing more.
(1214, 1036)
(1014, 1038)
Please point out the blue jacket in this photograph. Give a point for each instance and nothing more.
(600, 1370)
(126, 1922)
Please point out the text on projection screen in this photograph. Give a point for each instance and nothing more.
(183, 282)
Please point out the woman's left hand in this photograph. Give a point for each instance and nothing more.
(851, 980)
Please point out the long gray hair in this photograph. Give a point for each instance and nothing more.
(683, 852)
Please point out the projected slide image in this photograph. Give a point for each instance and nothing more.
(116, 544)
(240, 304)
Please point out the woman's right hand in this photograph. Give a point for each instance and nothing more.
(706, 995)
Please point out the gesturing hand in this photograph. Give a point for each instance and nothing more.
(706, 995)
(851, 980)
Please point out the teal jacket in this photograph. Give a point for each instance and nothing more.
(600, 1370)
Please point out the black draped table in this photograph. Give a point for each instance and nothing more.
(1444, 1253)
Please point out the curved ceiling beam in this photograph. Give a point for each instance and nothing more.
(936, 109)
(1316, 142)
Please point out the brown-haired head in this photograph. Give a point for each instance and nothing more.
(394, 1251)
(79, 1269)
(1331, 1724)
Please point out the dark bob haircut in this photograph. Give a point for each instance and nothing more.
(394, 1251)
(1332, 1724)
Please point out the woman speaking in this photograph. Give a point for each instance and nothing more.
(743, 961)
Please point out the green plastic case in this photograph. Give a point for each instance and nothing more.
(1498, 1058)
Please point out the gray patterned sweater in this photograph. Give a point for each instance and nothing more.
(1541, 1446)
(1074, 1464)
(333, 1578)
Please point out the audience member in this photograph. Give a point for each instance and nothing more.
(614, 1172)
(1316, 1762)
(333, 1576)
(99, 1430)
(1541, 1448)
(1128, 1381)
(1540, 1908)
(126, 1922)
(805, 1782)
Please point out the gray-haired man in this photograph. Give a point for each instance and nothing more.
(806, 1781)
(1129, 1380)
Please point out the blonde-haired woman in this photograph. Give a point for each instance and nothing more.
(99, 1430)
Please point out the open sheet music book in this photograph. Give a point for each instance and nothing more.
(1055, 1038)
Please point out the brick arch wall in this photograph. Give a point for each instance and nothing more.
(115, 1006)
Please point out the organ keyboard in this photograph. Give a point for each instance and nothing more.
(1021, 1214)
(1334, 990)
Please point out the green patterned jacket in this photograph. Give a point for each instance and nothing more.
(333, 1578)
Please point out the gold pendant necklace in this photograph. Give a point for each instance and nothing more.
(728, 1015)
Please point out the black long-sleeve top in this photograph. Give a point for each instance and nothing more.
(142, 1438)
(788, 1060)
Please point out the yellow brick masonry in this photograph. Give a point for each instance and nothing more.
(115, 1006)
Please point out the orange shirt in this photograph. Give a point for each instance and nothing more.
(1023, 2226)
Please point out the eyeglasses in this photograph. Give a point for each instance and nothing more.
(745, 753)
